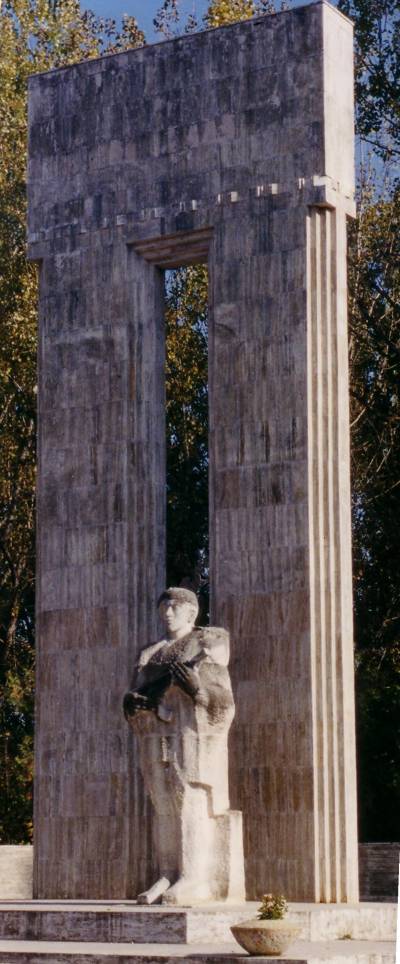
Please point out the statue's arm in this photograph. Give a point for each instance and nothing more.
(187, 679)
(133, 702)
(140, 696)
(208, 684)
(216, 683)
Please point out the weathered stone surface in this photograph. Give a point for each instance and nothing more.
(181, 707)
(244, 134)
(16, 872)
(112, 922)
(102, 923)
(329, 952)
(378, 864)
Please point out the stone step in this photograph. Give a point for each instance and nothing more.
(118, 922)
(302, 952)
(97, 922)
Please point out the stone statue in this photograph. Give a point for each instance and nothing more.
(181, 708)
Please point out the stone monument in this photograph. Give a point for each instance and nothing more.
(232, 146)
(181, 708)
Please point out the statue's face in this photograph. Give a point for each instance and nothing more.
(179, 617)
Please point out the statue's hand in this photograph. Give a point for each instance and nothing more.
(186, 678)
(133, 702)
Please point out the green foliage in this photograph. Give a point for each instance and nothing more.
(16, 744)
(228, 11)
(377, 65)
(273, 907)
(378, 702)
(167, 17)
(374, 316)
(374, 294)
(187, 427)
(219, 12)
(34, 35)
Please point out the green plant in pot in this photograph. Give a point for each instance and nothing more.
(268, 933)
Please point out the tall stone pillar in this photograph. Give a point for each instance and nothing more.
(281, 560)
(100, 557)
(233, 146)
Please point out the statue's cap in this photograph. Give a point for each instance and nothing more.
(180, 594)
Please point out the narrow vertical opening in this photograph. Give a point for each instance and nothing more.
(186, 326)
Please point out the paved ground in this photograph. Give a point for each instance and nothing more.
(36, 952)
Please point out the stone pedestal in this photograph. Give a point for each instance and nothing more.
(236, 146)
(124, 934)
(115, 923)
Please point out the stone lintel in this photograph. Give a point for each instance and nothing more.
(175, 250)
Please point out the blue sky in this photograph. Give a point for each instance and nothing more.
(144, 11)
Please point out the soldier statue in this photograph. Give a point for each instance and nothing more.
(180, 707)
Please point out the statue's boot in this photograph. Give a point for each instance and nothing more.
(186, 892)
(154, 893)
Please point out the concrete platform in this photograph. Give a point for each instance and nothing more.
(118, 922)
(302, 952)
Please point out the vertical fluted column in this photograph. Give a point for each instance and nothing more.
(335, 817)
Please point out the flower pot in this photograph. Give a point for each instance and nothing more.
(265, 937)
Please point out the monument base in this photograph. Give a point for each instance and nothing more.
(124, 921)
(332, 952)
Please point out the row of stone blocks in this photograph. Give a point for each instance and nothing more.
(71, 932)
(121, 922)
(334, 952)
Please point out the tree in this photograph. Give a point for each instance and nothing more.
(228, 11)
(374, 258)
(377, 70)
(34, 35)
(187, 427)
(219, 12)
(374, 292)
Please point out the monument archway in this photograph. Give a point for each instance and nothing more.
(234, 145)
